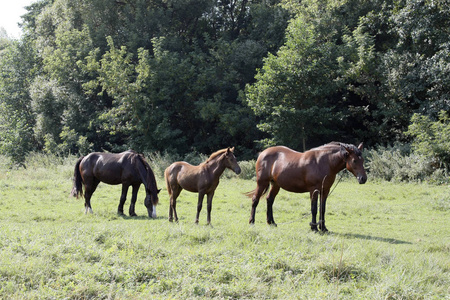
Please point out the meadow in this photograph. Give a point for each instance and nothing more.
(386, 241)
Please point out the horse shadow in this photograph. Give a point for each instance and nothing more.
(143, 217)
(370, 237)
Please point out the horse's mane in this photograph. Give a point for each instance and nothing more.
(151, 181)
(215, 154)
(337, 146)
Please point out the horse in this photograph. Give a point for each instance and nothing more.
(313, 171)
(202, 179)
(127, 168)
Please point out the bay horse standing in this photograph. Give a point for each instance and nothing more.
(313, 171)
(202, 179)
(127, 168)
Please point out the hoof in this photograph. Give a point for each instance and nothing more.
(133, 215)
(313, 226)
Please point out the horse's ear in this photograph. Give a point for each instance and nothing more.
(158, 191)
(360, 147)
(231, 150)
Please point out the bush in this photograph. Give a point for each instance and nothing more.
(432, 139)
(248, 170)
(396, 163)
(159, 162)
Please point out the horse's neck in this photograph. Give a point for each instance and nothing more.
(216, 166)
(337, 163)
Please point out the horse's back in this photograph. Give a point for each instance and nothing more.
(177, 167)
(274, 157)
(110, 168)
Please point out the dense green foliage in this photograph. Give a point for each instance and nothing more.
(385, 243)
(150, 75)
(432, 139)
(195, 76)
(354, 70)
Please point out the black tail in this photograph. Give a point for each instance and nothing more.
(77, 189)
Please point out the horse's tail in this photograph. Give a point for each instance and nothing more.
(166, 178)
(77, 189)
(250, 194)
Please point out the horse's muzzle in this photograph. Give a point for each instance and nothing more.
(362, 179)
(237, 170)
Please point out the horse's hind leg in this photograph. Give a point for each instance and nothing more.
(270, 199)
(173, 204)
(261, 187)
(90, 186)
(133, 201)
(123, 199)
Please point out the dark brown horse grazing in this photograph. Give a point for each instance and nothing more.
(313, 171)
(202, 179)
(127, 168)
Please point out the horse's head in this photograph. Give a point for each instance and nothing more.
(154, 195)
(151, 200)
(354, 161)
(231, 162)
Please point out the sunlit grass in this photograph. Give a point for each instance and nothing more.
(386, 241)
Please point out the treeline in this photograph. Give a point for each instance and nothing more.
(199, 75)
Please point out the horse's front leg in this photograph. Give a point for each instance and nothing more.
(314, 197)
(209, 208)
(201, 195)
(323, 202)
(123, 198)
(133, 201)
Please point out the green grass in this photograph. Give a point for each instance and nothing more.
(386, 241)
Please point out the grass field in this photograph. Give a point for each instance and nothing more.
(386, 241)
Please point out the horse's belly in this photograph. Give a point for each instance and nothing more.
(294, 188)
(188, 183)
(111, 181)
(292, 182)
(109, 175)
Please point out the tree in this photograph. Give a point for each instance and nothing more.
(17, 62)
(297, 90)
(354, 70)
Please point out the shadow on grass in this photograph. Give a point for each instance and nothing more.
(142, 217)
(370, 237)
